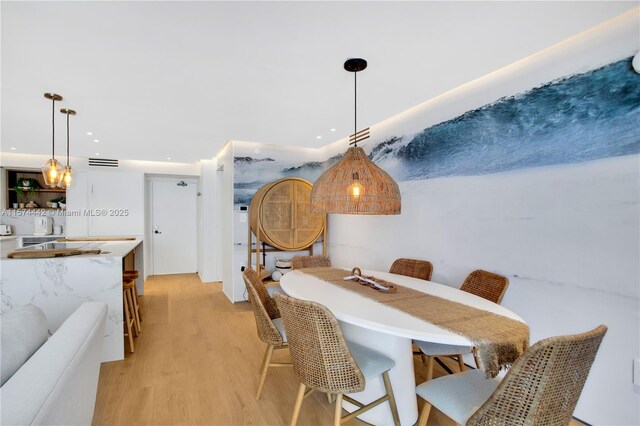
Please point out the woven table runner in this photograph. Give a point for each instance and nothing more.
(498, 340)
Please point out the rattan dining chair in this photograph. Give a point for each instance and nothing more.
(485, 284)
(268, 322)
(323, 360)
(541, 388)
(299, 262)
(421, 269)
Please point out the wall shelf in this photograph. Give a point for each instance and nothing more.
(44, 190)
(40, 196)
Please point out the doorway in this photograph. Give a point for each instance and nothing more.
(173, 229)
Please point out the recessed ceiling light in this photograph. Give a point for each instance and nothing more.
(97, 154)
(13, 148)
(90, 133)
(318, 137)
(96, 140)
(333, 130)
(168, 158)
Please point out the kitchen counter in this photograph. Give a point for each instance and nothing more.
(14, 241)
(60, 285)
(108, 248)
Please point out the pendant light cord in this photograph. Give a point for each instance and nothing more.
(355, 108)
(67, 138)
(53, 127)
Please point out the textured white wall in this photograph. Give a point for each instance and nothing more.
(567, 236)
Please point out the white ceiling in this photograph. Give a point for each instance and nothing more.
(153, 80)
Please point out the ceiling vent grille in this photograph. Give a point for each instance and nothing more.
(102, 162)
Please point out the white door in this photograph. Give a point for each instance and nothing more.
(173, 226)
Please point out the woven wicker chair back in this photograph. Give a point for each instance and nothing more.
(321, 357)
(486, 284)
(421, 269)
(300, 262)
(544, 384)
(260, 300)
(253, 278)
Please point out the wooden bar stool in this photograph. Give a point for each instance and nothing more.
(135, 306)
(129, 318)
(133, 275)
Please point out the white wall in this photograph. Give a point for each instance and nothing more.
(24, 225)
(566, 236)
(225, 179)
(78, 199)
(209, 221)
(119, 194)
(570, 269)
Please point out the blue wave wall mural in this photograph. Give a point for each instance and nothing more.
(575, 119)
(580, 118)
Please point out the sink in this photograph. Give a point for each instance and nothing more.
(57, 246)
(32, 241)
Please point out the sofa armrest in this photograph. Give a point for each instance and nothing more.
(58, 384)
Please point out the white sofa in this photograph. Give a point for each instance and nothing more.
(57, 383)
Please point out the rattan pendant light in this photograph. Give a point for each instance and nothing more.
(355, 185)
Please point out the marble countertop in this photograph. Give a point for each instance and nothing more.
(117, 248)
(109, 249)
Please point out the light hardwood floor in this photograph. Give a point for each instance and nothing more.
(196, 363)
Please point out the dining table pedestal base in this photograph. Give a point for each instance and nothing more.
(402, 377)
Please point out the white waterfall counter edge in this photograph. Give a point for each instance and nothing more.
(60, 285)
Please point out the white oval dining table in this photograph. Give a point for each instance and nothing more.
(386, 330)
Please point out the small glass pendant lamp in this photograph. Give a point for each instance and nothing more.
(66, 177)
(52, 170)
(355, 185)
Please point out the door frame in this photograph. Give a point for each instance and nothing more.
(149, 178)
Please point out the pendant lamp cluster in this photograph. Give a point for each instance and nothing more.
(54, 174)
(355, 185)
